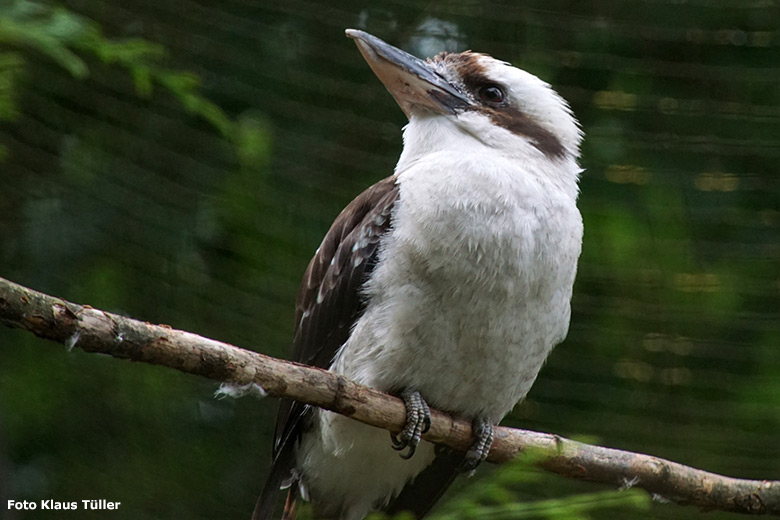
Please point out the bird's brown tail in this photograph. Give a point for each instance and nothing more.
(290, 505)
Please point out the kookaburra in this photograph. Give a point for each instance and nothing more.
(447, 283)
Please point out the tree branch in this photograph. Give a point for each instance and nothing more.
(93, 330)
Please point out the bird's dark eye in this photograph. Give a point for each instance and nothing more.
(491, 94)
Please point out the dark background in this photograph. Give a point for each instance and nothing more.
(128, 184)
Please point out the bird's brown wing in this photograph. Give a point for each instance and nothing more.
(329, 301)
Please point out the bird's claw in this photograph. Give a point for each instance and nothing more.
(483, 433)
(418, 421)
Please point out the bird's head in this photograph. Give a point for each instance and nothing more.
(501, 106)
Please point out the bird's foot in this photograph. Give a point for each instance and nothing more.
(418, 421)
(483, 433)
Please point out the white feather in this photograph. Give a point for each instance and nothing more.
(470, 293)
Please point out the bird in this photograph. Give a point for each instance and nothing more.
(446, 284)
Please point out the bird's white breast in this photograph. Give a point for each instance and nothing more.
(470, 293)
(472, 288)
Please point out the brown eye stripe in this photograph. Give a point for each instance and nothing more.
(472, 74)
(520, 124)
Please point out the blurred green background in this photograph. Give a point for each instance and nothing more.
(179, 161)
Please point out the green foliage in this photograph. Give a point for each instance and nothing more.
(11, 66)
(68, 39)
(575, 507)
(52, 31)
(185, 87)
(497, 495)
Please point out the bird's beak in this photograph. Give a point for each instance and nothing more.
(413, 83)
